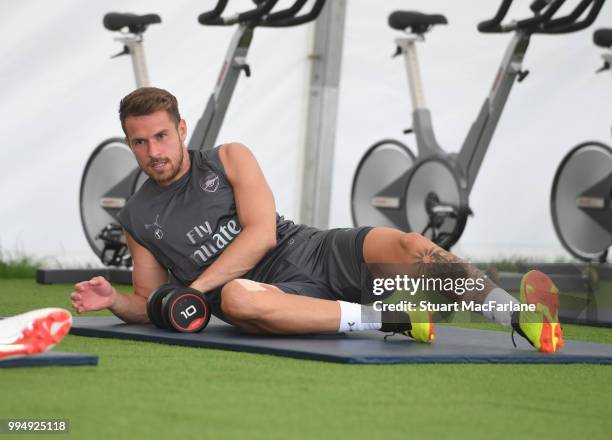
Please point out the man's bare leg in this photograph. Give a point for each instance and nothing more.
(417, 253)
(412, 252)
(540, 326)
(262, 308)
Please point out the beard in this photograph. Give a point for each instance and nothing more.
(170, 172)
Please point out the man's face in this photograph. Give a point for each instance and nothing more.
(158, 145)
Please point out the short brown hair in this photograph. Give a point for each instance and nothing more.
(147, 100)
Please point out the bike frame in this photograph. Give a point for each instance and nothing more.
(135, 47)
(208, 126)
(608, 58)
(479, 136)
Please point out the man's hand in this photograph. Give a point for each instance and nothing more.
(95, 294)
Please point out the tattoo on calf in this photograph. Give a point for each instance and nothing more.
(434, 262)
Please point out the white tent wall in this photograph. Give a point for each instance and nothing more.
(59, 95)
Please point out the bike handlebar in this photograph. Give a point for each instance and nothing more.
(543, 21)
(297, 20)
(539, 19)
(254, 14)
(569, 22)
(214, 13)
(214, 18)
(261, 16)
(537, 5)
(494, 24)
(287, 13)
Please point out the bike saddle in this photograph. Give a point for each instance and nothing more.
(603, 37)
(137, 24)
(418, 22)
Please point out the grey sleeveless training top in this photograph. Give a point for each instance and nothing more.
(189, 223)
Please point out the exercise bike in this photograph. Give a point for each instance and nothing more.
(429, 193)
(111, 174)
(581, 195)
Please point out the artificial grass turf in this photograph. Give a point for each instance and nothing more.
(157, 391)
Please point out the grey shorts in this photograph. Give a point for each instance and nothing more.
(326, 264)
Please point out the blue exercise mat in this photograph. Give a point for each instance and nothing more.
(452, 344)
(50, 358)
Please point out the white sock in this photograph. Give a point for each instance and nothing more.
(351, 318)
(500, 296)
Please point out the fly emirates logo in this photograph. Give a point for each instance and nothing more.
(214, 243)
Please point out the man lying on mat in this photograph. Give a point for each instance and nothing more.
(208, 219)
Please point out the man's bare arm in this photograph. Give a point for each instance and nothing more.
(147, 275)
(257, 215)
(98, 294)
